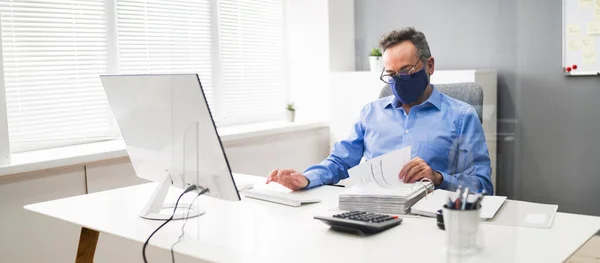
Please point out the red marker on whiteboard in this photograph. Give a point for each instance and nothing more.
(574, 66)
(568, 69)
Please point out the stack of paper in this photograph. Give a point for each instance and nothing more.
(433, 202)
(375, 199)
(380, 189)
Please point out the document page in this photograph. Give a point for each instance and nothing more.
(383, 170)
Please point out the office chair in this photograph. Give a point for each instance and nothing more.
(469, 92)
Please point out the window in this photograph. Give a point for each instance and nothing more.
(172, 36)
(252, 60)
(54, 51)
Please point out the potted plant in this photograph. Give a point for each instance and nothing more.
(291, 112)
(375, 60)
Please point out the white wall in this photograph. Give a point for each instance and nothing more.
(308, 52)
(321, 37)
(359, 88)
(294, 150)
(110, 174)
(341, 35)
(29, 237)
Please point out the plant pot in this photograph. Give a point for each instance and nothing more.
(375, 63)
(291, 115)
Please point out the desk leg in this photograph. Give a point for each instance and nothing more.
(87, 245)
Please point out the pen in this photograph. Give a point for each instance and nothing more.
(457, 201)
(476, 203)
(479, 199)
(465, 201)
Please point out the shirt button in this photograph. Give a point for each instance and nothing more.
(406, 131)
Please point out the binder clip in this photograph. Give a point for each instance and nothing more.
(422, 184)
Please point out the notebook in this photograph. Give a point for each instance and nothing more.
(430, 204)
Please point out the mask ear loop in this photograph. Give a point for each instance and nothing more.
(422, 184)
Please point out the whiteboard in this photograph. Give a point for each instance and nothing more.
(581, 37)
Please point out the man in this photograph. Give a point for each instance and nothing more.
(447, 139)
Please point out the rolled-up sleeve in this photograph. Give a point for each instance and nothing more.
(473, 165)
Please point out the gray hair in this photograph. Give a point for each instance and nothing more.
(395, 37)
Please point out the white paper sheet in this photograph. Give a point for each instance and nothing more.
(586, 3)
(593, 28)
(520, 213)
(573, 30)
(536, 219)
(383, 170)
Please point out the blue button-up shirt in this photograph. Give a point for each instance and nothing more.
(443, 131)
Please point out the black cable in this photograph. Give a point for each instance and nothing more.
(187, 190)
(185, 222)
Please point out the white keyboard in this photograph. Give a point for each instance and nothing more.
(281, 196)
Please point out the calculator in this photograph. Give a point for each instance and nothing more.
(361, 223)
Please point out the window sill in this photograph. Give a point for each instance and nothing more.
(93, 152)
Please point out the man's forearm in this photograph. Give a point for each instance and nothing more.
(476, 179)
(329, 171)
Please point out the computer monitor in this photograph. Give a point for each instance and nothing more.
(171, 137)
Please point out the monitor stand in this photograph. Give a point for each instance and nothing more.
(156, 210)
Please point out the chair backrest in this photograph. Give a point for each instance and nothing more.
(469, 92)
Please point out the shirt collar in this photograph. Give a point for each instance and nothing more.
(434, 99)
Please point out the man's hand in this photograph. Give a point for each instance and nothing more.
(288, 178)
(417, 169)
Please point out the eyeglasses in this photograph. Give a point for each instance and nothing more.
(388, 78)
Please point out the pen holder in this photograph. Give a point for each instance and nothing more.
(462, 230)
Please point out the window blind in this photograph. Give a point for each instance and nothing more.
(166, 36)
(253, 68)
(53, 52)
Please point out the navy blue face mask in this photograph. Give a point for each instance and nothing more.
(409, 88)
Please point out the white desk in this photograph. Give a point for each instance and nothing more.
(258, 231)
